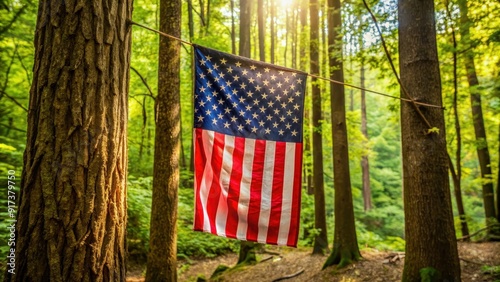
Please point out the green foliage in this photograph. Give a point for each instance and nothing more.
(429, 274)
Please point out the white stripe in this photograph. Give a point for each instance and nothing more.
(206, 180)
(267, 191)
(286, 208)
(246, 181)
(225, 175)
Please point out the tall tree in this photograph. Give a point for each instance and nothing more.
(321, 239)
(262, 29)
(272, 5)
(247, 249)
(477, 117)
(162, 256)
(72, 214)
(431, 248)
(457, 174)
(345, 244)
(365, 164)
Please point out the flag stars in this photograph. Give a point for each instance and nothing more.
(251, 80)
(276, 111)
(270, 104)
(240, 127)
(230, 70)
(252, 67)
(242, 100)
(287, 79)
(275, 125)
(238, 64)
(272, 90)
(288, 113)
(266, 82)
(214, 121)
(294, 133)
(234, 91)
(261, 123)
(269, 117)
(234, 119)
(249, 93)
(282, 119)
(202, 62)
(227, 110)
(223, 61)
(262, 109)
(297, 93)
(242, 113)
(200, 118)
(267, 130)
(281, 132)
(220, 101)
(214, 107)
(248, 121)
(259, 74)
(216, 66)
(220, 116)
(208, 112)
(248, 108)
(288, 126)
(267, 69)
(273, 77)
(221, 75)
(279, 84)
(295, 120)
(209, 58)
(255, 115)
(290, 100)
(299, 81)
(258, 87)
(210, 71)
(285, 92)
(281, 72)
(244, 72)
(254, 129)
(256, 102)
(202, 89)
(236, 78)
(202, 75)
(243, 86)
(201, 103)
(226, 124)
(296, 107)
(264, 96)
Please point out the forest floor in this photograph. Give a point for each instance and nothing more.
(479, 262)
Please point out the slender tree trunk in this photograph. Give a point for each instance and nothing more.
(457, 175)
(287, 28)
(162, 257)
(431, 247)
(262, 30)
(72, 205)
(345, 244)
(365, 165)
(320, 240)
(202, 17)
(190, 19)
(207, 27)
(233, 30)
(295, 16)
(273, 39)
(477, 117)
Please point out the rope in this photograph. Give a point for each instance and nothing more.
(311, 75)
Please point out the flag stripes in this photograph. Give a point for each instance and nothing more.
(249, 189)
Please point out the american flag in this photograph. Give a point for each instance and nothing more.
(248, 148)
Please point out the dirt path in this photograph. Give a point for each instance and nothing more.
(376, 266)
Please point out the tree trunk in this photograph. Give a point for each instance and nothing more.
(457, 175)
(162, 257)
(365, 166)
(273, 16)
(477, 117)
(72, 208)
(262, 29)
(233, 31)
(320, 240)
(345, 243)
(245, 21)
(431, 248)
(247, 249)
(190, 19)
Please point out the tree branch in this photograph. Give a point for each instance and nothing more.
(14, 19)
(144, 82)
(14, 100)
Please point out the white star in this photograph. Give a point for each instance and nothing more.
(294, 74)
(201, 103)
(240, 127)
(234, 119)
(235, 91)
(295, 120)
(243, 85)
(270, 103)
(296, 107)
(248, 107)
(227, 110)
(200, 118)
(255, 115)
(216, 79)
(299, 81)
(266, 82)
(208, 112)
(202, 62)
(261, 123)
(275, 124)
(236, 77)
(287, 79)
(264, 96)
(267, 130)
(242, 99)
(226, 124)
(276, 111)
(273, 77)
(229, 69)
(214, 107)
(269, 117)
(216, 66)
(262, 109)
(250, 93)
(220, 116)
(202, 75)
(252, 67)
(259, 74)
(238, 64)
(285, 92)
(256, 102)
(288, 126)
(297, 93)
(209, 98)
(223, 61)
(221, 101)
(245, 72)
(283, 105)
(254, 129)
(290, 100)
(294, 133)
(266, 69)
(209, 84)
(288, 113)
(281, 131)
(202, 89)
(272, 90)
(281, 72)
(214, 121)
(278, 98)
(221, 75)
(282, 119)
(248, 121)
(215, 93)
(292, 86)
(210, 71)
(258, 87)
(251, 80)
(209, 58)
(279, 84)
(242, 112)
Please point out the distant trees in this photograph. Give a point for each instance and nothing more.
(162, 257)
(72, 212)
(431, 248)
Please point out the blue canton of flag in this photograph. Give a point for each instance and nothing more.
(246, 98)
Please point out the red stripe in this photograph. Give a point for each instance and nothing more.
(256, 190)
(234, 187)
(215, 189)
(295, 215)
(277, 193)
(199, 166)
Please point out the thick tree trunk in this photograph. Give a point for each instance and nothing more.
(72, 212)
(365, 165)
(190, 19)
(345, 243)
(477, 117)
(431, 248)
(320, 240)
(162, 257)
(233, 30)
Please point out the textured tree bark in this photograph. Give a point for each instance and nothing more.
(477, 117)
(162, 257)
(345, 243)
(320, 240)
(431, 248)
(72, 214)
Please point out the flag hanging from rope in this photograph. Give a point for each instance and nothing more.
(248, 148)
